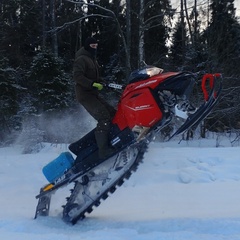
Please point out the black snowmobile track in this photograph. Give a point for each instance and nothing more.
(44, 197)
(142, 148)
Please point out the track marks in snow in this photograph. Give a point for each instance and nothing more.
(197, 170)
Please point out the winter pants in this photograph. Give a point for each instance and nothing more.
(100, 110)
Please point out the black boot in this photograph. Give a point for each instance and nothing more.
(104, 150)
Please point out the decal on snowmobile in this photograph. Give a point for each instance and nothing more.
(115, 141)
(147, 105)
(139, 108)
(146, 83)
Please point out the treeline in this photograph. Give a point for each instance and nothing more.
(39, 38)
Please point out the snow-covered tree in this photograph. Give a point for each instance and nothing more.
(178, 46)
(9, 104)
(49, 85)
(223, 37)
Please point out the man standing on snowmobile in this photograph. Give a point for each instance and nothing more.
(88, 85)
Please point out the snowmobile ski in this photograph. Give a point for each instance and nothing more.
(202, 112)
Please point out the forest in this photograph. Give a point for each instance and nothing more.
(39, 39)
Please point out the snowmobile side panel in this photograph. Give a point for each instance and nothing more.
(141, 109)
(87, 145)
(86, 142)
(85, 161)
(178, 84)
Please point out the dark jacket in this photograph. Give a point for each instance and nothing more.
(85, 73)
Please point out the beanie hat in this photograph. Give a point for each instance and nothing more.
(88, 41)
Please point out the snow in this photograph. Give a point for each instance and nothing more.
(186, 190)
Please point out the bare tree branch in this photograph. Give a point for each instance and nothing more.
(60, 28)
(115, 18)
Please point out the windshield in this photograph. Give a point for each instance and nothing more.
(151, 71)
(146, 72)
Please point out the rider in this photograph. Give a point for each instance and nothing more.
(88, 85)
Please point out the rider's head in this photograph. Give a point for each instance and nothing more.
(91, 45)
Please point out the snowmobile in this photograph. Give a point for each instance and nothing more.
(150, 101)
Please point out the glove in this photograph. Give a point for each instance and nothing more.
(99, 86)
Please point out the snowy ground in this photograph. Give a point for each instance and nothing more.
(181, 191)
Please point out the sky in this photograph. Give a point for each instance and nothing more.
(176, 3)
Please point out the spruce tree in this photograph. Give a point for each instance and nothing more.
(223, 36)
(9, 104)
(223, 45)
(157, 18)
(178, 46)
(49, 84)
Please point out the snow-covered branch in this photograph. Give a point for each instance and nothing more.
(59, 28)
(113, 16)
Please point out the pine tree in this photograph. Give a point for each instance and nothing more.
(157, 20)
(223, 46)
(178, 46)
(49, 84)
(20, 31)
(223, 35)
(9, 103)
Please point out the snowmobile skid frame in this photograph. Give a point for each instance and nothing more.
(82, 179)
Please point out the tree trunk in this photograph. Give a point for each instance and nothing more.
(44, 24)
(54, 34)
(128, 30)
(141, 54)
(182, 23)
(187, 18)
(195, 22)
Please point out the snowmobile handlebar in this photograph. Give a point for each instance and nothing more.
(115, 86)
